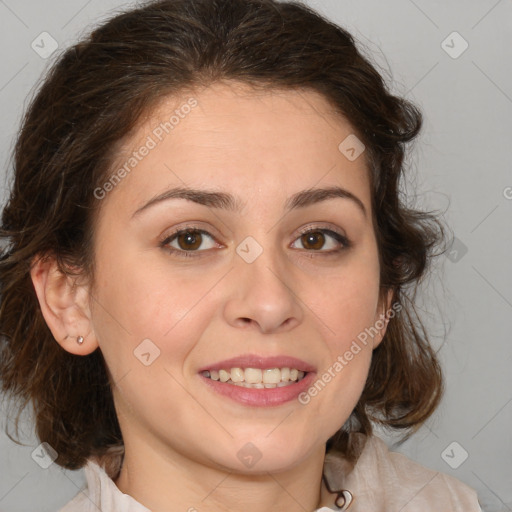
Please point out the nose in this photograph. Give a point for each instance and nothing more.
(262, 295)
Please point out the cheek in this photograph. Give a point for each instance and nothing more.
(147, 324)
(346, 303)
(137, 302)
(346, 308)
(347, 313)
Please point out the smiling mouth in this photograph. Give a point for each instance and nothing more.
(256, 377)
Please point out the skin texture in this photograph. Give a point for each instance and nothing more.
(181, 438)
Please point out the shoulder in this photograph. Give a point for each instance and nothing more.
(101, 493)
(383, 480)
(80, 503)
(85, 500)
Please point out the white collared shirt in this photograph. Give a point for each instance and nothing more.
(381, 481)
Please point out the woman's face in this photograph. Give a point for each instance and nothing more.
(249, 284)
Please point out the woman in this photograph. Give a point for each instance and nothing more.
(205, 288)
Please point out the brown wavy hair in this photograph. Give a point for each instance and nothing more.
(94, 94)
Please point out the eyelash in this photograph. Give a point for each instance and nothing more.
(196, 253)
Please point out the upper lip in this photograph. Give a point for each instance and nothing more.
(257, 361)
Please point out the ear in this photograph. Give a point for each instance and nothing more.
(64, 305)
(382, 316)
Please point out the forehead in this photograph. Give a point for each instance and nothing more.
(232, 137)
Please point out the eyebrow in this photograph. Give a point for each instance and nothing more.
(226, 201)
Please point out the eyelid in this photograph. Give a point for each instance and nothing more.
(189, 226)
(321, 227)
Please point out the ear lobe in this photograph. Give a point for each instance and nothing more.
(381, 319)
(64, 306)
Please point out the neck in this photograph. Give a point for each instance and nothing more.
(164, 481)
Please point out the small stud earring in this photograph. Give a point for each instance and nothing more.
(80, 340)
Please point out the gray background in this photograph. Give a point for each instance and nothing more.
(461, 164)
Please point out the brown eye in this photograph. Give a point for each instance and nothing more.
(313, 240)
(189, 240)
(323, 241)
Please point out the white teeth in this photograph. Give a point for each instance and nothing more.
(237, 375)
(252, 375)
(271, 376)
(256, 377)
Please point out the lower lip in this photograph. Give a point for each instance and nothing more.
(258, 397)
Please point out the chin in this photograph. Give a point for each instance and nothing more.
(262, 454)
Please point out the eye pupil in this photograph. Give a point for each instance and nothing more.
(311, 239)
(189, 237)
